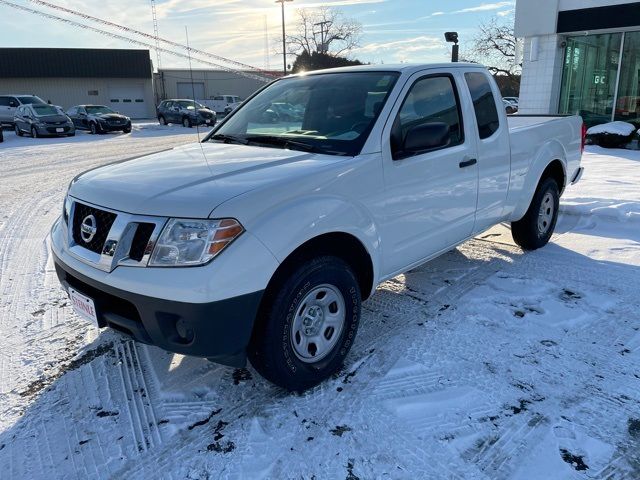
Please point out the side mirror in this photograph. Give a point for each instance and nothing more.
(425, 137)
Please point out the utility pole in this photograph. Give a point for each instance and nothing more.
(284, 37)
(324, 48)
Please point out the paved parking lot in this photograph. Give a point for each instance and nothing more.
(485, 363)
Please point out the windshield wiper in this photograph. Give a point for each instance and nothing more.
(284, 142)
(229, 139)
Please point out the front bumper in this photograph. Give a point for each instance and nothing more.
(51, 130)
(218, 330)
(109, 127)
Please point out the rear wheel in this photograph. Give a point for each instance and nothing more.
(162, 120)
(305, 331)
(536, 227)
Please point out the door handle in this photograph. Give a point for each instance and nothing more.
(468, 163)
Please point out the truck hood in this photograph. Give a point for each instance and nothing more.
(192, 180)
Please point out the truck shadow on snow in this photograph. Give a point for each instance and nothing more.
(119, 407)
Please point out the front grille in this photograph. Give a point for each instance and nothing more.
(141, 241)
(104, 221)
(115, 122)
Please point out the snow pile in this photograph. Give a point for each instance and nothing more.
(623, 129)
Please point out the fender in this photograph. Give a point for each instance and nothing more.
(289, 224)
(524, 181)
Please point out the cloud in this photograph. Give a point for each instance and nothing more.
(485, 7)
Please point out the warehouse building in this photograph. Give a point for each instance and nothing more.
(580, 57)
(120, 79)
(206, 84)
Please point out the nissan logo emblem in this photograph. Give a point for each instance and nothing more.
(88, 228)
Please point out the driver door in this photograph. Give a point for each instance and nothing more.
(431, 194)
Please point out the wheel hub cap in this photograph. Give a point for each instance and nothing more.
(318, 323)
(546, 213)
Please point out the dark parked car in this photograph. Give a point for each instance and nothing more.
(41, 120)
(185, 112)
(98, 119)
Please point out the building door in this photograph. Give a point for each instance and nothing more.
(128, 100)
(187, 90)
(589, 76)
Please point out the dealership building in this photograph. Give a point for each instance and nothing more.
(580, 57)
(119, 79)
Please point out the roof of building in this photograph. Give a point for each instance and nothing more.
(74, 63)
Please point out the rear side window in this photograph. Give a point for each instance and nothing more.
(430, 100)
(484, 103)
(4, 101)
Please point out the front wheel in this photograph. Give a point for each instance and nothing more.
(126, 130)
(34, 132)
(536, 227)
(17, 129)
(94, 128)
(303, 334)
(186, 122)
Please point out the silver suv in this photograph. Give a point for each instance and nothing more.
(10, 103)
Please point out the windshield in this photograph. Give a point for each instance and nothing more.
(329, 113)
(29, 99)
(98, 110)
(43, 110)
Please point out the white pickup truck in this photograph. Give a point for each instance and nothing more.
(262, 241)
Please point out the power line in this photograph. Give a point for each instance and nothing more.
(156, 38)
(131, 40)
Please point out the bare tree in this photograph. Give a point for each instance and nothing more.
(325, 31)
(495, 46)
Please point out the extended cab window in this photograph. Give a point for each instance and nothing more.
(484, 103)
(432, 101)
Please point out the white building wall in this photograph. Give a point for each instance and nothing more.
(541, 74)
(67, 92)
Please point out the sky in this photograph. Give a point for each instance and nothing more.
(248, 31)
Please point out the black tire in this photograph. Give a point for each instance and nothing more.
(93, 128)
(17, 129)
(34, 132)
(527, 232)
(127, 130)
(72, 134)
(162, 120)
(271, 349)
(186, 122)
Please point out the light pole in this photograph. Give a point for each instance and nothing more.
(452, 37)
(284, 37)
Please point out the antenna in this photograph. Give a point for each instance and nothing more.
(155, 32)
(193, 87)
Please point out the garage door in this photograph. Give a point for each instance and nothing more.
(128, 100)
(187, 89)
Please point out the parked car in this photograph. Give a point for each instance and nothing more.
(10, 103)
(513, 100)
(39, 120)
(224, 103)
(98, 119)
(263, 241)
(185, 112)
(509, 107)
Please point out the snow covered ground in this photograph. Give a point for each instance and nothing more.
(486, 363)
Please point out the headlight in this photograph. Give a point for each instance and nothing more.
(66, 209)
(186, 242)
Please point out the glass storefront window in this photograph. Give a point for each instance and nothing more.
(589, 76)
(628, 103)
